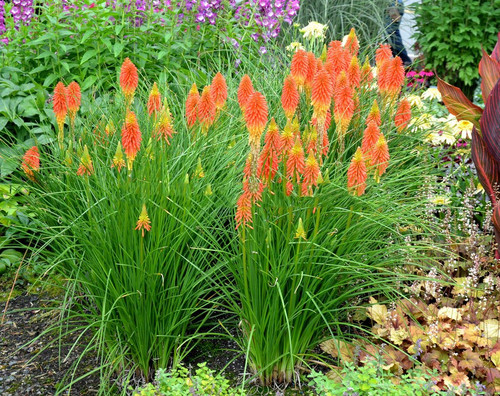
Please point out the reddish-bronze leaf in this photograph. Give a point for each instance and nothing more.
(488, 170)
(496, 51)
(489, 69)
(458, 104)
(470, 360)
(490, 122)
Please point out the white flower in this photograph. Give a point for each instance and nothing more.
(415, 100)
(344, 40)
(295, 46)
(314, 30)
(464, 128)
(432, 93)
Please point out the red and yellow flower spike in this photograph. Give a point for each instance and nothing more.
(301, 232)
(269, 156)
(219, 91)
(403, 115)
(322, 93)
(356, 174)
(299, 67)
(311, 174)
(366, 72)
(382, 54)
(164, 127)
(287, 138)
(31, 162)
(245, 89)
(380, 157)
(74, 100)
(118, 159)
(354, 73)
(352, 43)
(290, 96)
(312, 68)
(243, 215)
(154, 100)
(131, 138)
(129, 79)
(370, 137)
(374, 114)
(192, 101)
(295, 163)
(391, 75)
(144, 222)
(256, 114)
(344, 106)
(206, 110)
(86, 167)
(60, 107)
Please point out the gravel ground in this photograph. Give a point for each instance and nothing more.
(24, 368)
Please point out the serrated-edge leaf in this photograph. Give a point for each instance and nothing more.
(458, 104)
(490, 122)
(489, 69)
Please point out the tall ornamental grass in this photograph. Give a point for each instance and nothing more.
(162, 210)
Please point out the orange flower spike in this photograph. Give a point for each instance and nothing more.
(256, 114)
(322, 93)
(86, 168)
(287, 138)
(118, 159)
(192, 101)
(74, 99)
(60, 105)
(374, 114)
(154, 101)
(344, 104)
(366, 72)
(356, 174)
(299, 67)
(131, 138)
(311, 174)
(295, 163)
(354, 73)
(391, 77)
(129, 79)
(144, 222)
(333, 47)
(165, 128)
(31, 162)
(290, 96)
(206, 109)
(311, 71)
(243, 210)
(269, 157)
(370, 137)
(403, 115)
(380, 157)
(245, 89)
(326, 144)
(382, 54)
(352, 43)
(219, 91)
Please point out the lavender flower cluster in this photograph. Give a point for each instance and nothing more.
(22, 12)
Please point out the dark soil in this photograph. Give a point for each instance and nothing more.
(26, 368)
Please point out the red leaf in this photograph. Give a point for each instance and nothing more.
(492, 374)
(496, 51)
(490, 122)
(488, 170)
(489, 69)
(458, 104)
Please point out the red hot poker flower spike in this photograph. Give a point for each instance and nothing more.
(244, 210)
(380, 157)
(391, 77)
(219, 91)
(295, 163)
(370, 137)
(192, 101)
(374, 114)
(290, 96)
(269, 157)
(86, 168)
(382, 54)
(256, 114)
(299, 67)
(403, 115)
(206, 109)
(244, 91)
(60, 104)
(144, 223)
(129, 79)
(154, 101)
(322, 93)
(131, 137)
(352, 43)
(31, 162)
(356, 174)
(74, 99)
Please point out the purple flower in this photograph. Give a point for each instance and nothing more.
(263, 50)
(3, 29)
(22, 12)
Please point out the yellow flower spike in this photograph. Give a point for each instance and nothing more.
(199, 172)
(110, 128)
(208, 191)
(320, 179)
(301, 233)
(86, 168)
(324, 53)
(144, 223)
(68, 158)
(186, 178)
(119, 158)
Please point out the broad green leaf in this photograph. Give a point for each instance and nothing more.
(118, 48)
(88, 82)
(86, 35)
(89, 54)
(49, 80)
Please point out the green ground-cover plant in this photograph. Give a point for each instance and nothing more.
(451, 33)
